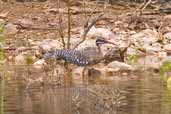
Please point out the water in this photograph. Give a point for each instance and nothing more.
(145, 94)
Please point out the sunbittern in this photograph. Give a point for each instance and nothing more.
(85, 57)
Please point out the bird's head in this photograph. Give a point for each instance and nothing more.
(101, 40)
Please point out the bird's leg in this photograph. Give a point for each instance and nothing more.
(67, 76)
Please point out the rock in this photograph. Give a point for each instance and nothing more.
(120, 66)
(167, 38)
(131, 51)
(24, 58)
(165, 30)
(148, 62)
(10, 58)
(113, 54)
(31, 42)
(95, 73)
(167, 17)
(167, 47)
(20, 60)
(166, 58)
(4, 14)
(20, 49)
(103, 32)
(39, 64)
(2, 22)
(92, 73)
(145, 37)
(118, 23)
(162, 54)
(25, 22)
(110, 71)
(10, 29)
(153, 48)
(49, 44)
(52, 10)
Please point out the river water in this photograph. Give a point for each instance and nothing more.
(146, 94)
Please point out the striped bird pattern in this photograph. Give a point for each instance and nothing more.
(72, 56)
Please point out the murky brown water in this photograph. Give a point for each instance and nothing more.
(143, 95)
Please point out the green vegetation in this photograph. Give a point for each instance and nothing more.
(165, 68)
(165, 71)
(28, 59)
(1, 27)
(131, 59)
(169, 83)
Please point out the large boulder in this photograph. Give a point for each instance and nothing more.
(167, 38)
(145, 37)
(120, 66)
(103, 32)
(10, 29)
(49, 44)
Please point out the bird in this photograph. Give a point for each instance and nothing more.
(86, 57)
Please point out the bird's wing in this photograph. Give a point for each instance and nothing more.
(93, 55)
(74, 56)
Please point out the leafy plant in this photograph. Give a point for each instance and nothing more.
(29, 59)
(169, 83)
(165, 71)
(165, 68)
(1, 28)
(131, 59)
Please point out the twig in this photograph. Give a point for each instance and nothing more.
(20, 26)
(105, 5)
(87, 25)
(60, 26)
(13, 49)
(84, 8)
(92, 12)
(87, 28)
(159, 31)
(9, 49)
(145, 5)
(90, 22)
(69, 24)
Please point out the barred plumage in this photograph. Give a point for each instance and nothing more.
(88, 56)
(72, 56)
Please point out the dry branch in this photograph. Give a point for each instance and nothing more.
(90, 22)
(87, 26)
(69, 23)
(20, 26)
(60, 25)
(145, 5)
